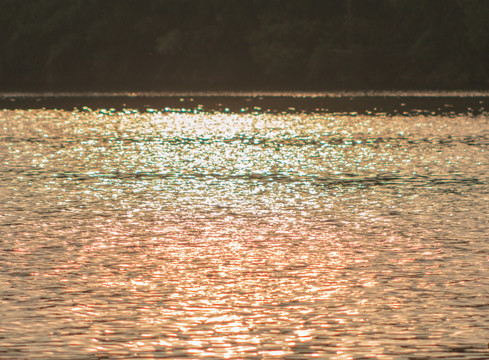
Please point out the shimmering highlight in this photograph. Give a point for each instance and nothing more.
(129, 234)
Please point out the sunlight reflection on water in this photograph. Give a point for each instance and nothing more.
(243, 235)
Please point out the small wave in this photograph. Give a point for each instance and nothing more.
(266, 177)
(474, 140)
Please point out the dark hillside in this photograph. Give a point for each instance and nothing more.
(236, 44)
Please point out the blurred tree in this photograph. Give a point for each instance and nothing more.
(476, 21)
(307, 44)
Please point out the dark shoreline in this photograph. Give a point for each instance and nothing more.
(405, 103)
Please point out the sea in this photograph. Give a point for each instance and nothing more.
(348, 225)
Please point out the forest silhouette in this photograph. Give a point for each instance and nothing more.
(243, 44)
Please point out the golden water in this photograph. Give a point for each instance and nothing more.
(290, 235)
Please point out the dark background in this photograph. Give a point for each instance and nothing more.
(243, 44)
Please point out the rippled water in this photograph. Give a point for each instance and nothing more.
(243, 234)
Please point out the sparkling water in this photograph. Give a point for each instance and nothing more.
(241, 231)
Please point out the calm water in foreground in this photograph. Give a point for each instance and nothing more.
(244, 234)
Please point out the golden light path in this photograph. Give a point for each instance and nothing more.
(187, 234)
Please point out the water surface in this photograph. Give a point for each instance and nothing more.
(271, 230)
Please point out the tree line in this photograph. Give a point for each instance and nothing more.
(243, 44)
